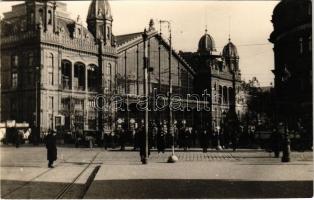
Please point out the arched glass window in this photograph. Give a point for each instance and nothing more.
(79, 76)
(66, 72)
(92, 71)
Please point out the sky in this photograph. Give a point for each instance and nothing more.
(248, 23)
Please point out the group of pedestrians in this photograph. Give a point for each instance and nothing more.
(159, 137)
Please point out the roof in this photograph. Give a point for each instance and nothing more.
(99, 9)
(230, 50)
(206, 43)
(122, 39)
(129, 40)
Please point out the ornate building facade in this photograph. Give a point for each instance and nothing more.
(292, 39)
(218, 73)
(54, 70)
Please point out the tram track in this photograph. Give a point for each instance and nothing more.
(68, 186)
(65, 189)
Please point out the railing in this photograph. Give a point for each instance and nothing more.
(66, 41)
(19, 37)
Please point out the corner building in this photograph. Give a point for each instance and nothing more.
(53, 66)
(292, 39)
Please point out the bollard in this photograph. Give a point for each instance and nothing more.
(286, 149)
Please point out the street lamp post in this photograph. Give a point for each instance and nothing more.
(145, 60)
(173, 158)
(37, 83)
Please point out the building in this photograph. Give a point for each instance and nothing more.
(292, 39)
(218, 73)
(54, 69)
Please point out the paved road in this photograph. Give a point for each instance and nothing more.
(114, 174)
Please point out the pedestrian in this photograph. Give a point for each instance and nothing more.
(51, 148)
(136, 137)
(185, 137)
(17, 138)
(162, 131)
(175, 134)
(214, 138)
(142, 143)
(204, 139)
(154, 135)
(275, 142)
(122, 137)
(235, 134)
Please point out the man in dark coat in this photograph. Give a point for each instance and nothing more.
(142, 143)
(51, 148)
(276, 142)
(17, 138)
(204, 137)
(122, 137)
(162, 131)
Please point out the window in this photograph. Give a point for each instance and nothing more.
(301, 45)
(41, 16)
(50, 103)
(49, 17)
(108, 33)
(30, 59)
(310, 43)
(15, 60)
(32, 18)
(50, 119)
(23, 25)
(109, 75)
(14, 79)
(50, 69)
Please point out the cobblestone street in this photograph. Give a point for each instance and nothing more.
(96, 173)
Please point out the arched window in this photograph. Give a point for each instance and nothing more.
(50, 69)
(49, 17)
(92, 77)
(66, 72)
(41, 16)
(79, 76)
(220, 95)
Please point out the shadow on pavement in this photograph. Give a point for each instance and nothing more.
(160, 188)
(185, 189)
